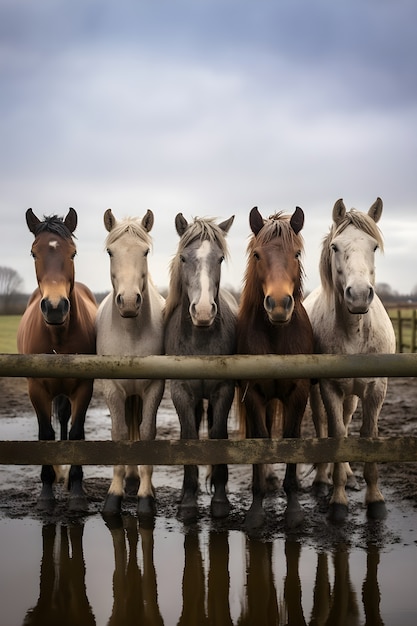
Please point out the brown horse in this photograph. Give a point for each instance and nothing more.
(59, 319)
(272, 320)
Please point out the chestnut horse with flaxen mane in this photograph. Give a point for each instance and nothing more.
(272, 320)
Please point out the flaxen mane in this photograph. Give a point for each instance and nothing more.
(361, 221)
(130, 225)
(204, 230)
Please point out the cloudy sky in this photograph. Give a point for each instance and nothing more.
(208, 107)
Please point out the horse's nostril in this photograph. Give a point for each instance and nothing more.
(287, 303)
(269, 303)
(138, 300)
(119, 300)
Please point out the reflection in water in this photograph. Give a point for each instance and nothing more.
(135, 596)
(62, 594)
(206, 582)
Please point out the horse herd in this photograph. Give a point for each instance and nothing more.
(199, 317)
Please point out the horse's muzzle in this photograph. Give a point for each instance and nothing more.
(359, 301)
(279, 312)
(55, 314)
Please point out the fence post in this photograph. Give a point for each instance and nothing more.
(400, 331)
(413, 331)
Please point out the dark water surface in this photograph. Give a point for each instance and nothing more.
(88, 572)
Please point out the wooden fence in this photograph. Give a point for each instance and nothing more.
(201, 452)
(405, 326)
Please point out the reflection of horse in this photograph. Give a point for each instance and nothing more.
(59, 318)
(198, 606)
(348, 318)
(135, 593)
(62, 596)
(130, 322)
(200, 319)
(272, 319)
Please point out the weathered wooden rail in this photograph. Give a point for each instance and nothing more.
(173, 452)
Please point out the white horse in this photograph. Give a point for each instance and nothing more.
(348, 318)
(130, 322)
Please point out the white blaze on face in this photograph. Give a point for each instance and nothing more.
(54, 244)
(203, 309)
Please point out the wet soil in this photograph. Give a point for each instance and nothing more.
(398, 482)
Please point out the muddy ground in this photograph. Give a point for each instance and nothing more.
(398, 481)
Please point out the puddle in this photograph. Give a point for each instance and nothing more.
(83, 572)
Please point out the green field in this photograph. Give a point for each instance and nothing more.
(8, 330)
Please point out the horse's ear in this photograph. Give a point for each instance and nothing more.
(147, 221)
(256, 221)
(32, 221)
(376, 210)
(339, 211)
(180, 224)
(71, 220)
(297, 220)
(225, 226)
(109, 220)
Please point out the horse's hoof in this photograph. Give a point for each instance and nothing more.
(78, 504)
(187, 513)
(338, 512)
(219, 508)
(112, 521)
(131, 485)
(376, 510)
(112, 504)
(255, 519)
(146, 508)
(45, 505)
(294, 516)
(320, 489)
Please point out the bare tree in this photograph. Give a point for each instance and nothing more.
(10, 281)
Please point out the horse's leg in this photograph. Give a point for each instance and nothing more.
(372, 402)
(273, 422)
(79, 405)
(294, 407)
(152, 397)
(256, 428)
(43, 407)
(322, 479)
(189, 416)
(119, 432)
(333, 399)
(218, 412)
(349, 407)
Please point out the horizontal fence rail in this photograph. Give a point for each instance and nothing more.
(200, 452)
(214, 367)
(208, 451)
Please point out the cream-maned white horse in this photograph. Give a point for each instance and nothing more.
(348, 318)
(130, 322)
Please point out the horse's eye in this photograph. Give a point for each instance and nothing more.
(182, 257)
(376, 248)
(334, 247)
(221, 260)
(73, 255)
(146, 253)
(32, 254)
(109, 252)
(256, 255)
(298, 254)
